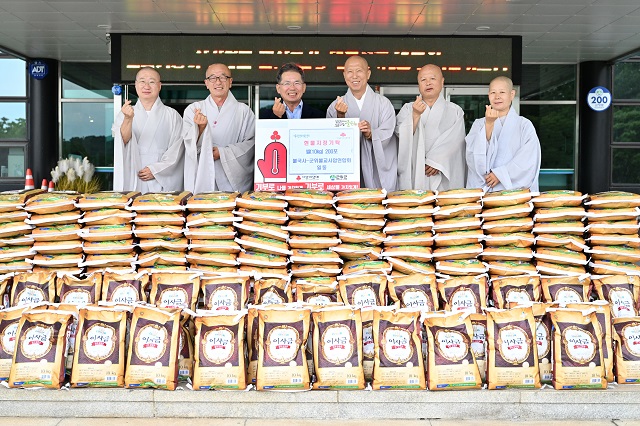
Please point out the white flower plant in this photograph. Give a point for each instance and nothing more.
(73, 174)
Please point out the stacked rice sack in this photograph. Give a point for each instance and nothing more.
(507, 225)
(107, 230)
(263, 238)
(458, 233)
(57, 244)
(15, 234)
(613, 232)
(362, 219)
(211, 234)
(158, 225)
(313, 236)
(559, 229)
(409, 235)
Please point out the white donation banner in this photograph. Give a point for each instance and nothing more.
(314, 153)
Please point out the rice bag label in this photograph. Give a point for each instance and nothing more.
(219, 346)
(622, 303)
(543, 340)
(364, 297)
(223, 298)
(77, 297)
(8, 338)
(99, 342)
(579, 344)
(30, 294)
(452, 345)
(35, 343)
(464, 299)
(416, 298)
(517, 294)
(337, 344)
(631, 339)
(514, 345)
(397, 345)
(321, 299)
(273, 296)
(283, 345)
(567, 295)
(173, 296)
(126, 292)
(150, 343)
(368, 348)
(479, 339)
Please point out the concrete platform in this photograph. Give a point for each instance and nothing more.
(620, 402)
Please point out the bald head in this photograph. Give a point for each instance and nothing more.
(503, 80)
(218, 67)
(356, 74)
(430, 83)
(501, 94)
(218, 80)
(148, 71)
(356, 60)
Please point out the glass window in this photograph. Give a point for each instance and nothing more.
(319, 97)
(548, 82)
(14, 77)
(86, 131)
(86, 80)
(626, 80)
(625, 123)
(625, 165)
(13, 120)
(555, 126)
(11, 161)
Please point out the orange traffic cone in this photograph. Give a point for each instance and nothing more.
(44, 184)
(52, 184)
(28, 182)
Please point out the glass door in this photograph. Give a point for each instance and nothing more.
(473, 101)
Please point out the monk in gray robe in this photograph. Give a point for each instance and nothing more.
(219, 138)
(503, 150)
(431, 138)
(147, 139)
(378, 144)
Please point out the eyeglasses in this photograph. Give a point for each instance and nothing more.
(151, 83)
(221, 78)
(297, 84)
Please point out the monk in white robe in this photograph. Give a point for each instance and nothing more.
(148, 150)
(431, 138)
(378, 144)
(219, 138)
(503, 150)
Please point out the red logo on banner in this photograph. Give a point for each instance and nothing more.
(274, 164)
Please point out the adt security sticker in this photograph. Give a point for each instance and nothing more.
(38, 70)
(599, 98)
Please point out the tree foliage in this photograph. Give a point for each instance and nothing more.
(14, 129)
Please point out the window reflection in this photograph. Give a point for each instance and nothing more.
(86, 131)
(13, 120)
(14, 77)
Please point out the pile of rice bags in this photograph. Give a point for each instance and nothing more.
(15, 234)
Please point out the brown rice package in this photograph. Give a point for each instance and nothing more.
(252, 344)
(467, 293)
(368, 344)
(40, 353)
(566, 289)
(398, 362)
(100, 347)
(174, 290)
(337, 348)
(603, 315)
(416, 291)
(577, 350)
(479, 342)
(225, 293)
(621, 291)
(543, 340)
(282, 339)
(523, 288)
(33, 287)
(219, 350)
(79, 291)
(9, 319)
(152, 358)
(626, 332)
(272, 291)
(124, 288)
(512, 357)
(364, 291)
(451, 364)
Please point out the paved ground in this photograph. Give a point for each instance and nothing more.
(22, 421)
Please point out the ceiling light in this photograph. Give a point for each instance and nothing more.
(483, 28)
(294, 27)
(104, 26)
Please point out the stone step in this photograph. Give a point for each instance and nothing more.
(618, 402)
